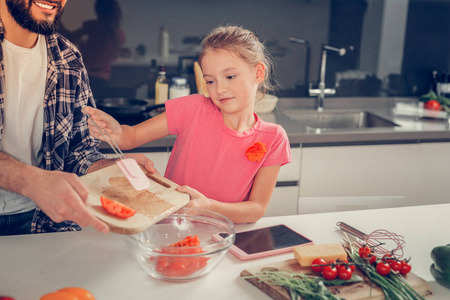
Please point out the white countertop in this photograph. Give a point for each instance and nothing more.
(33, 265)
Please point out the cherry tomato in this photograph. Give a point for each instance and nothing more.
(364, 252)
(331, 262)
(117, 208)
(406, 268)
(317, 264)
(387, 257)
(372, 259)
(6, 298)
(329, 272)
(395, 265)
(432, 104)
(383, 268)
(350, 265)
(344, 272)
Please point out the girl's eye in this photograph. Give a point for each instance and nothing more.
(209, 82)
(231, 77)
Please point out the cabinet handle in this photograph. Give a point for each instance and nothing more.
(286, 183)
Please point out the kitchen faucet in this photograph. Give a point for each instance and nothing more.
(296, 40)
(322, 91)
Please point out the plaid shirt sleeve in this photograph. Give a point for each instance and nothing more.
(67, 143)
(83, 148)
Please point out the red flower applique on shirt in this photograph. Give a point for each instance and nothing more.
(256, 152)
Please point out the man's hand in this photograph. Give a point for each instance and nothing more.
(62, 197)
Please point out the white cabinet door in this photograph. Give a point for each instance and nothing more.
(291, 171)
(312, 205)
(285, 196)
(283, 202)
(434, 172)
(401, 170)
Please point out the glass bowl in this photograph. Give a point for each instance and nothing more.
(156, 254)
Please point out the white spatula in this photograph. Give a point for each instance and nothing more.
(128, 166)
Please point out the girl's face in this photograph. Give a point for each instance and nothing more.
(232, 83)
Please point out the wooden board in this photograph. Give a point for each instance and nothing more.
(359, 290)
(151, 205)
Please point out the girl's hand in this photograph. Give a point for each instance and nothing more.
(144, 161)
(198, 200)
(104, 121)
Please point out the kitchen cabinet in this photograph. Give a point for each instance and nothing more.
(283, 202)
(284, 199)
(373, 176)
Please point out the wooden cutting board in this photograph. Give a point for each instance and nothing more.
(358, 290)
(151, 205)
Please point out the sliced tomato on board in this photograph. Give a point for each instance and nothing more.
(117, 208)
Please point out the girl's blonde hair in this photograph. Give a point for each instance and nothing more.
(245, 45)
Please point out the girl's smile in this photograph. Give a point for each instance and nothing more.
(225, 100)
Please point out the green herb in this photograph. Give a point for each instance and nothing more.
(394, 286)
(431, 95)
(300, 285)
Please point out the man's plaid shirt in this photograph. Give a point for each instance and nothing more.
(66, 145)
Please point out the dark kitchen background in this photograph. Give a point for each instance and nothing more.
(396, 43)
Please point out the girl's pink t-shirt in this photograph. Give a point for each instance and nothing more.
(210, 157)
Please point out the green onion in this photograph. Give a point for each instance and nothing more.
(298, 284)
(394, 286)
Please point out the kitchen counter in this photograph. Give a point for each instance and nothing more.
(410, 129)
(32, 265)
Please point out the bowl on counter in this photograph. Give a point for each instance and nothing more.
(167, 250)
(266, 105)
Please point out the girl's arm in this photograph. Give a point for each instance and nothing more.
(241, 212)
(127, 137)
(150, 130)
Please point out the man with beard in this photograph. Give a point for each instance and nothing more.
(43, 133)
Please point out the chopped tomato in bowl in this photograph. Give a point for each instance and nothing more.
(181, 247)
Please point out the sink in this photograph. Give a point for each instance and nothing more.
(338, 119)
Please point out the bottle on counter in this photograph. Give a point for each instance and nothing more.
(163, 42)
(179, 88)
(161, 87)
(434, 80)
(443, 85)
(151, 79)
